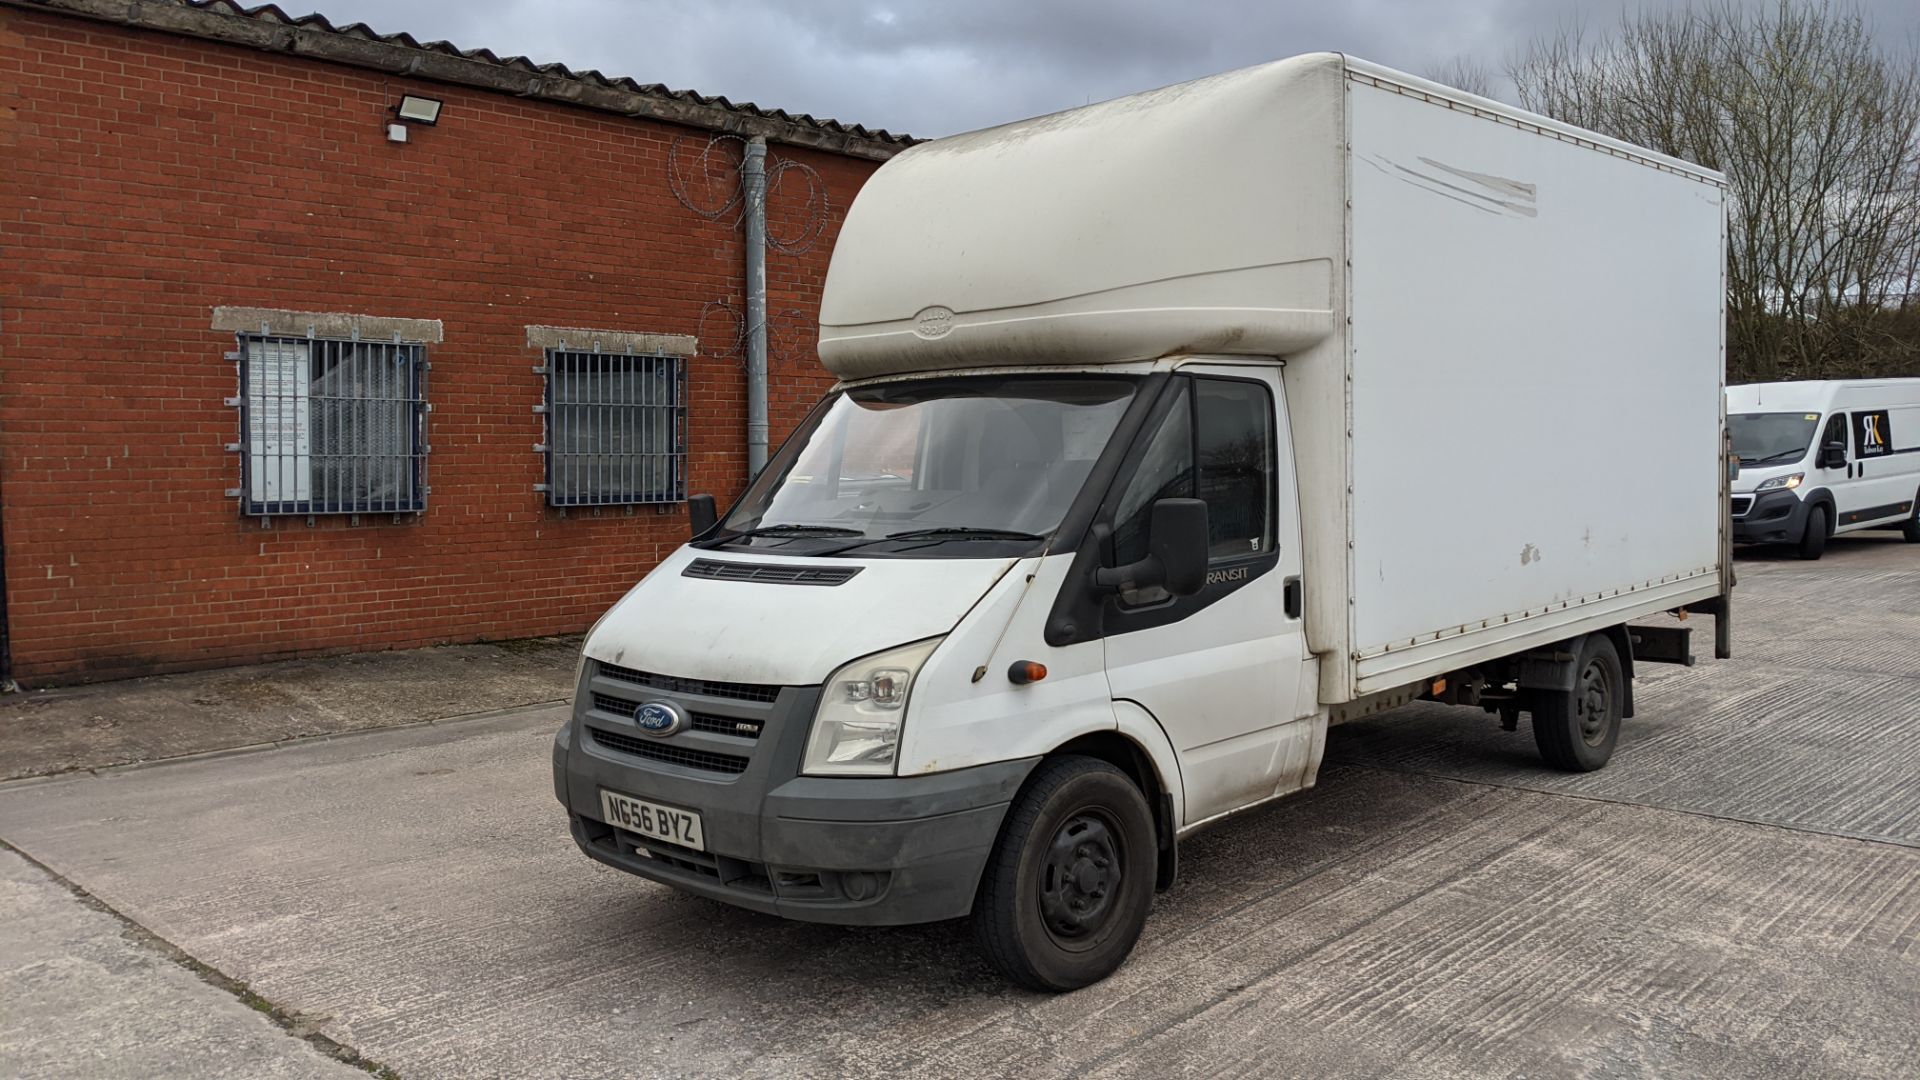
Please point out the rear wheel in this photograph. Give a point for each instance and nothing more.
(1911, 530)
(1577, 729)
(1813, 542)
(1068, 886)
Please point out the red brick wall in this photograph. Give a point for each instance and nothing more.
(146, 178)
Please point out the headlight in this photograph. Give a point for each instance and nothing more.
(1779, 483)
(856, 731)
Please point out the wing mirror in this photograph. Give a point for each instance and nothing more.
(1833, 456)
(701, 516)
(1176, 558)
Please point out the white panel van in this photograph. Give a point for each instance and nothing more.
(1821, 458)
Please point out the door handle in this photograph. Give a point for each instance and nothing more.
(1292, 597)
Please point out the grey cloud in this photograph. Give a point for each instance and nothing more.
(933, 67)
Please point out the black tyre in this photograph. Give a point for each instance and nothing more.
(1911, 530)
(1576, 731)
(1813, 542)
(1068, 886)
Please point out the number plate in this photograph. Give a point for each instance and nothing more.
(651, 819)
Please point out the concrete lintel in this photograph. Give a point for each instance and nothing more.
(580, 339)
(326, 324)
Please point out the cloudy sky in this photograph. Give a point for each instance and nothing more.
(933, 67)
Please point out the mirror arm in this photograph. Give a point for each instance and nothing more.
(1147, 571)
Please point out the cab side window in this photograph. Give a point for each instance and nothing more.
(1165, 472)
(1234, 452)
(1215, 444)
(1836, 432)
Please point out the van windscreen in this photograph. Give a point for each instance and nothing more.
(947, 467)
(1771, 438)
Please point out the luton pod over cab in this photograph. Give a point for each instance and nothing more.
(1822, 458)
(1170, 432)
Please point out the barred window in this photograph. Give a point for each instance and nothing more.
(616, 429)
(331, 427)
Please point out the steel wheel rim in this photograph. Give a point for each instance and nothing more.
(1593, 703)
(1080, 879)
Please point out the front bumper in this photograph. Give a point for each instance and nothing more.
(1774, 517)
(864, 851)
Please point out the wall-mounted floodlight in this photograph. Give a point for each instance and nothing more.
(420, 110)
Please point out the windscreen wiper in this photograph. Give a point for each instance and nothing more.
(795, 529)
(937, 535)
(1784, 455)
(962, 532)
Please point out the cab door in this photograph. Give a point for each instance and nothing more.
(1884, 479)
(1220, 670)
(1837, 479)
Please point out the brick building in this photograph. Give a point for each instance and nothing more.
(286, 369)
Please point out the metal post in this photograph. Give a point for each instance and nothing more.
(753, 182)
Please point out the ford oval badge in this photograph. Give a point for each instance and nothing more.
(659, 718)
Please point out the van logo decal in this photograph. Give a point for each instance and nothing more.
(933, 322)
(1238, 573)
(1871, 435)
(659, 718)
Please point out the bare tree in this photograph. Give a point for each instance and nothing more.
(1464, 73)
(1815, 124)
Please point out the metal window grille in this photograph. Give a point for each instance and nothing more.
(331, 427)
(616, 429)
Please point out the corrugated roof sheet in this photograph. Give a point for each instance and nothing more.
(589, 88)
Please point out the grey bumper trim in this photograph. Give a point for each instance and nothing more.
(875, 851)
(1765, 522)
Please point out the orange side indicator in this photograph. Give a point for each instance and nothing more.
(1022, 672)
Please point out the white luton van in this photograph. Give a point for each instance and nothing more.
(1171, 432)
(1820, 458)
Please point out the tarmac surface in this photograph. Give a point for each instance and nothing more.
(1737, 893)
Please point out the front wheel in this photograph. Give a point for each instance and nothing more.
(1067, 888)
(1911, 530)
(1577, 729)
(1813, 542)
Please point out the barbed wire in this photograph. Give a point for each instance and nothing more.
(730, 345)
(791, 335)
(707, 182)
(705, 203)
(813, 210)
(722, 334)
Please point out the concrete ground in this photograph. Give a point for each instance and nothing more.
(167, 716)
(67, 969)
(1738, 893)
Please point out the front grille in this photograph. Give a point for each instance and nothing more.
(769, 573)
(614, 705)
(1741, 504)
(733, 873)
(726, 725)
(734, 690)
(717, 725)
(652, 750)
